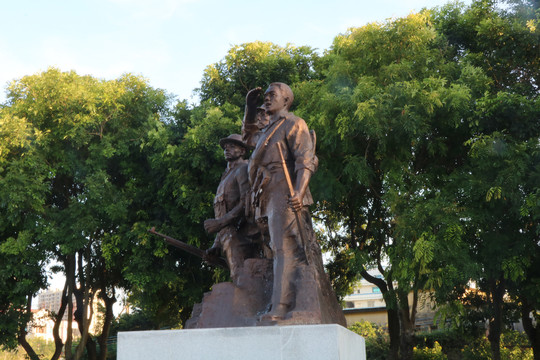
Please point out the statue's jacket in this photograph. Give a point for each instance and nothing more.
(265, 169)
(230, 199)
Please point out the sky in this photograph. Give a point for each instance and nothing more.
(169, 42)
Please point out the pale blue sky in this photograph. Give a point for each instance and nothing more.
(169, 42)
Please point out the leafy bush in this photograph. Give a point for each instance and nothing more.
(135, 321)
(447, 339)
(427, 353)
(514, 346)
(377, 340)
(477, 350)
(451, 341)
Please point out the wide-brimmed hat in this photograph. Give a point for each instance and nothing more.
(233, 138)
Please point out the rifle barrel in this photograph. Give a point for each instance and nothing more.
(193, 250)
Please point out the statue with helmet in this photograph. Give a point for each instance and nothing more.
(234, 235)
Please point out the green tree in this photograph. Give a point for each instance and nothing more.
(85, 140)
(22, 174)
(498, 185)
(390, 118)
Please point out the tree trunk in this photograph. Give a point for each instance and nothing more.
(495, 323)
(406, 343)
(58, 343)
(70, 280)
(80, 316)
(407, 328)
(27, 347)
(109, 316)
(21, 338)
(85, 326)
(391, 310)
(532, 331)
(394, 332)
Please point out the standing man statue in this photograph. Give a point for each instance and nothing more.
(233, 231)
(284, 140)
(288, 285)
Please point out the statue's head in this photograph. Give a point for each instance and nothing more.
(278, 97)
(233, 147)
(262, 117)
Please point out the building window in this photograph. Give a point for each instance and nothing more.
(375, 290)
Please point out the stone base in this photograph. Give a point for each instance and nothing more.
(244, 303)
(296, 342)
(229, 305)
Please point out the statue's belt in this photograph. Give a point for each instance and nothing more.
(267, 173)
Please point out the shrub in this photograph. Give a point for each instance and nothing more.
(377, 341)
(451, 341)
(427, 353)
(514, 346)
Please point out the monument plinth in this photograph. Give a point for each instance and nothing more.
(298, 342)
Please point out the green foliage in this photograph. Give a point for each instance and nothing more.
(76, 184)
(44, 349)
(377, 345)
(463, 318)
(501, 169)
(434, 353)
(134, 321)
(514, 346)
(450, 341)
(367, 329)
(249, 65)
(454, 344)
(389, 115)
(427, 138)
(444, 344)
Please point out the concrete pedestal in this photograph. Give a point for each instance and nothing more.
(313, 342)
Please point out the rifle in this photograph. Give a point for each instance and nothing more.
(211, 260)
(304, 239)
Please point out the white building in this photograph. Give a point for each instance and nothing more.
(366, 303)
(42, 325)
(49, 302)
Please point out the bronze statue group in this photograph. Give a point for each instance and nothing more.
(261, 208)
